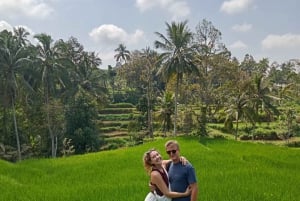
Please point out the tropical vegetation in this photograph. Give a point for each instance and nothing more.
(55, 100)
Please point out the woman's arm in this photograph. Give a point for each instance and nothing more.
(183, 160)
(159, 182)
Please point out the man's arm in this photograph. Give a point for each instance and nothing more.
(194, 189)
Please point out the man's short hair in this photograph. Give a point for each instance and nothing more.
(172, 142)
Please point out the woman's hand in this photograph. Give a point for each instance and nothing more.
(183, 160)
(188, 191)
(151, 187)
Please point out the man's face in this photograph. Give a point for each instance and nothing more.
(173, 152)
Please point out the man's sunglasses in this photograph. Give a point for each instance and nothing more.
(172, 151)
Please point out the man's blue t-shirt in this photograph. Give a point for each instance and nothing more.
(180, 176)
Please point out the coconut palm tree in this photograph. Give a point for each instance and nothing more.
(262, 97)
(166, 103)
(85, 78)
(51, 73)
(123, 55)
(21, 35)
(13, 58)
(177, 56)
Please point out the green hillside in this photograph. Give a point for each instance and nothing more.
(227, 170)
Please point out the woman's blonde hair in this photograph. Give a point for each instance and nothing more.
(147, 160)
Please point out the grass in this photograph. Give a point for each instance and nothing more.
(227, 170)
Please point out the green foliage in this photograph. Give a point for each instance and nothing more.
(226, 170)
(116, 117)
(114, 143)
(121, 105)
(188, 121)
(108, 129)
(80, 117)
(202, 120)
(116, 110)
(129, 96)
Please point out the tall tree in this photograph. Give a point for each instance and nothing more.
(262, 97)
(51, 73)
(84, 76)
(21, 35)
(13, 58)
(166, 103)
(123, 55)
(238, 105)
(177, 56)
(111, 74)
(150, 58)
(211, 56)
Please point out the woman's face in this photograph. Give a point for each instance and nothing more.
(155, 158)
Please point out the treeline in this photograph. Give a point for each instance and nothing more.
(51, 91)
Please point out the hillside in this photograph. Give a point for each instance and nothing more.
(113, 124)
(227, 170)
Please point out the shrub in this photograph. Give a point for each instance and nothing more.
(121, 105)
(116, 111)
(293, 144)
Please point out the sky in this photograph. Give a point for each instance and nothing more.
(262, 28)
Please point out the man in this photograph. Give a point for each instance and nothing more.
(180, 176)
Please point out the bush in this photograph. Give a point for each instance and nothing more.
(116, 111)
(293, 144)
(121, 105)
(260, 134)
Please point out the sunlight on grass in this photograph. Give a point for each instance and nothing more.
(226, 170)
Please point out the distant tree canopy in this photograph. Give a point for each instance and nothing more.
(53, 90)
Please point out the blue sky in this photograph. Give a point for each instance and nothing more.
(263, 28)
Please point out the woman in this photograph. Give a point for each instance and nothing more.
(155, 167)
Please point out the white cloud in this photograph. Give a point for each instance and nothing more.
(177, 8)
(111, 35)
(5, 26)
(242, 27)
(144, 5)
(281, 41)
(235, 6)
(107, 58)
(238, 45)
(29, 8)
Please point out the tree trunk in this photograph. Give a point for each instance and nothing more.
(237, 125)
(52, 137)
(149, 110)
(175, 115)
(16, 131)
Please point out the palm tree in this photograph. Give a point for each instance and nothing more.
(21, 35)
(262, 97)
(166, 103)
(13, 58)
(85, 78)
(51, 72)
(239, 108)
(123, 55)
(239, 104)
(177, 57)
(150, 58)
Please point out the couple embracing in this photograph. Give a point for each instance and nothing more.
(173, 179)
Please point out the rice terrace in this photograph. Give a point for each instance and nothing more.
(227, 170)
(74, 127)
